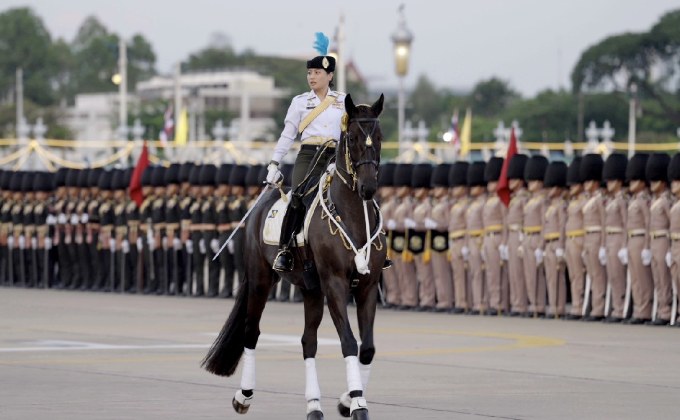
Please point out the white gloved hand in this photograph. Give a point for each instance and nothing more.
(623, 256)
(214, 245)
(521, 237)
(84, 218)
(274, 175)
(465, 252)
(140, 245)
(602, 255)
(503, 250)
(559, 253)
(125, 246)
(230, 247)
(164, 242)
(10, 242)
(22, 242)
(75, 219)
(646, 255)
(176, 244)
(34, 242)
(201, 246)
(152, 243)
(391, 224)
(48, 243)
(190, 246)
(520, 251)
(538, 253)
(51, 220)
(410, 223)
(669, 259)
(61, 219)
(430, 224)
(112, 244)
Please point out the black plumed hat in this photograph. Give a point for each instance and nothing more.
(105, 180)
(440, 175)
(27, 181)
(195, 175)
(172, 174)
(657, 167)
(61, 177)
(493, 169)
(43, 181)
(615, 167)
(555, 175)
(386, 174)
(535, 168)
(325, 62)
(674, 168)
(591, 167)
(635, 171)
(83, 178)
(146, 176)
(475, 174)
(223, 174)
(158, 176)
(118, 181)
(420, 178)
(93, 177)
(574, 171)
(15, 181)
(207, 176)
(72, 177)
(458, 174)
(237, 177)
(253, 175)
(403, 174)
(516, 166)
(185, 171)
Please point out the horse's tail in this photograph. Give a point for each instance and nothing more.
(225, 353)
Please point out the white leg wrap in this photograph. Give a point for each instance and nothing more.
(365, 372)
(357, 404)
(345, 399)
(312, 391)
(353, 375)
(313, 405)
(242, 399)
(248, 374)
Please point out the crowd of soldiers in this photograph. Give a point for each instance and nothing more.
(79, 229)
(601, 235)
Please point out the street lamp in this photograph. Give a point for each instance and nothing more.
(402, 39)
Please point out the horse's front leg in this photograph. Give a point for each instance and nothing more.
(337, 292)
(313, 302)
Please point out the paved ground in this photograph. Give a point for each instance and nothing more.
(74, 355)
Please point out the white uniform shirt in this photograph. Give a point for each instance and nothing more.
(326, 124)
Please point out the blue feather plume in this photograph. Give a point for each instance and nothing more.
(321, 43)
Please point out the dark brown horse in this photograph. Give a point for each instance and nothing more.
(346, 263)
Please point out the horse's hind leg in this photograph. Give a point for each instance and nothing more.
(313, 301)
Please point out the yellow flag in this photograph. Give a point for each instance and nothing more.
(182, 130)
(466, 134)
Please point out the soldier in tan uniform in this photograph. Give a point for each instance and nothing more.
(616, 212)
(574, 233)
(532, 244)
(641, 283)
(673, 256)
(403, 223)
(514, 236)
(419, 236)
(493, 217)
(459, 199)
(388, 203)
(475, 236)
(438, 226)
(554, 222)
(659, 223)
(595, 254)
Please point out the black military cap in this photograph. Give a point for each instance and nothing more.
(146, 176)
(493, 169)
(535, 168)
(83, 178)
(287, 171)
(635, 171)
(223, 174)
(615, 167)
(158, 176)
(516, 166)
(237, 177)
(458, 174)
(172, 174)
(386, 174)
(72, 177)
(422, 173)
(591, 167)
(15, 182)
(43, 181)
(555, 175)
(185, 171)
(440, 175)
(475, 174)
(657, 167)
(403, 174)
(325, 62)
(27, 181)
(93, 177)
(105, 180)
(207, 177)
(61, 177)
(253, 176)
(118, 181)
(128, 176)
(5, 180)
(195, 175)
(574, 171)
(674, 168)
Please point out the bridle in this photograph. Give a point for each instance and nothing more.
(351, 166)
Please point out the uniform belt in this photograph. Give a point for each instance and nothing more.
(636, 232)
(318, 141)
(475, 232)
(457, 234)
(576, 233)
(661, 233)
(515, 227)
(493, 229)
(613, 230)
(203, 226)
(593, 229)
(552, 236)
(675, 236)
(224, 227)
(532, 230)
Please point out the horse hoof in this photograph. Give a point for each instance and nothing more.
(360, 414)
(238, 407)
(315, 415)
(343, 409)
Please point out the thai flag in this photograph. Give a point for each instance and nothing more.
(168, 126)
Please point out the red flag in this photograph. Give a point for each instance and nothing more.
(136, 180)
(503, 188)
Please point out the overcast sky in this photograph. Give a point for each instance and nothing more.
(531, 43)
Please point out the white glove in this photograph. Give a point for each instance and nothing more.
(583, 256)
(75, 219)
(646, 255)
(140, 245)
(48, 243)
(34, 243)
(230, 247)
(503, 250)
(274, 175)
(430, 224)
(190, 246)
(559, 253)
(538, 253)
(176, 244)
(61, 219)
(84, 218)
(10, 242)
(623, 256)
(152, 243)
(214, 245)
(51, 220)
(520, 251)
(112, 244)
(201, 246)
(521, 237)
(465, 252)
(602, 255)
(410, 223)
(164, 242)
(669, 259)
(22, 242)
(391, 224)
(125, 246)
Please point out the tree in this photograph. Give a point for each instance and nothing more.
(489, 97)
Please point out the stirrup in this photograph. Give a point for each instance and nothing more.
(387, 264)
(283, 262)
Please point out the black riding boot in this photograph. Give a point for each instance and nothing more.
(291, 222)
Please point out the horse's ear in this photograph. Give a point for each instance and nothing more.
(378, 105)
(350, 108)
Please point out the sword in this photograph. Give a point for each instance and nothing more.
(629, 290)
(259, 197)
(608, 300)
(674, 306)
(586, 295)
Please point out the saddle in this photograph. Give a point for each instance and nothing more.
(273, 224)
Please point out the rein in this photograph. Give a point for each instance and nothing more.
(351, 167)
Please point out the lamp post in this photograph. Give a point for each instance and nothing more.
(120, 79)
(402, 39)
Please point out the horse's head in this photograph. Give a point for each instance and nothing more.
(360, 146)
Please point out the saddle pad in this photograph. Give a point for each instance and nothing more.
(271, 232)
